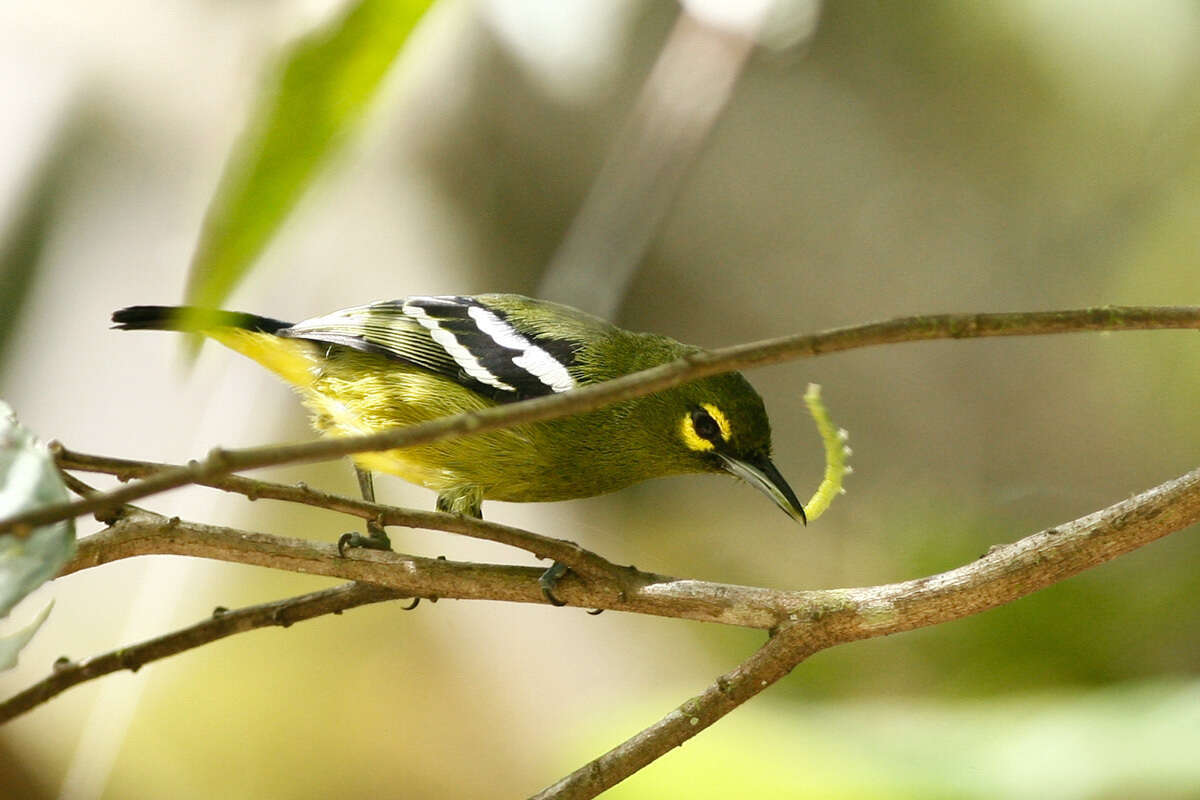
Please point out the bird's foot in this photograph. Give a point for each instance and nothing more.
(549, 580)
(375, 539)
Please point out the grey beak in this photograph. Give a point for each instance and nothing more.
(763, 476)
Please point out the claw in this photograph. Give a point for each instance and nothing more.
(416, 601)
(374, 540)
(549, 579)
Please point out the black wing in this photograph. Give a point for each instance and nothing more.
(460, 338)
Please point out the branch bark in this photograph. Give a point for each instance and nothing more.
(801, 622)
(902, 329)
(1006, 573)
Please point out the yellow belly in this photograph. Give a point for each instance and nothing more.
(352, 393)
(365, 401)
(401, 464)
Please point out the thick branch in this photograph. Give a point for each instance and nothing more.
(903, 329)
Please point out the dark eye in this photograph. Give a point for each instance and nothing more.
(706, 427)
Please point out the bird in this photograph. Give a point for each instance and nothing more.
(394, 363)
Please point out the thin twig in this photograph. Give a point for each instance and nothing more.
(222, 623)
(582, 561)
(699, 365)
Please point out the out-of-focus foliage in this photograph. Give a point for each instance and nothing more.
(302, 117)
(22, 245)
(1134, 742)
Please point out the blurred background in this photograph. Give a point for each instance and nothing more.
(904, 158)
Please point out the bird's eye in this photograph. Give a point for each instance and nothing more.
(705, 426)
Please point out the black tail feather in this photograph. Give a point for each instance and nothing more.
(181, 318)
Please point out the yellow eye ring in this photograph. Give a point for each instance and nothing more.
(692, 437)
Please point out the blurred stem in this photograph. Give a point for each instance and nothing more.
(686, 91)
(756, 354)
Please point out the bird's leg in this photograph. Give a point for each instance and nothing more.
(366, 485)
(376, 538)
(469, 502)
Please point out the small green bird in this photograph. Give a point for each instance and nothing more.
(375, 367)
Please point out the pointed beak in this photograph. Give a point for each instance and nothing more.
(762, 475)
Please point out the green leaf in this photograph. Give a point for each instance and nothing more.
(304, 113)
(28, 479)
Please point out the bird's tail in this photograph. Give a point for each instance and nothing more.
(249, 334)
(191, 318)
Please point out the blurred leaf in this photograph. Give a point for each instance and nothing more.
(28, 479)
(11, 646)
(23, 242)
(303, 115)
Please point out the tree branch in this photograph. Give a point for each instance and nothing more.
(140, 532)
(803, 622)
(1006, 573)
(757, 354)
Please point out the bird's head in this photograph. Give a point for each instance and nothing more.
(719, 424)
